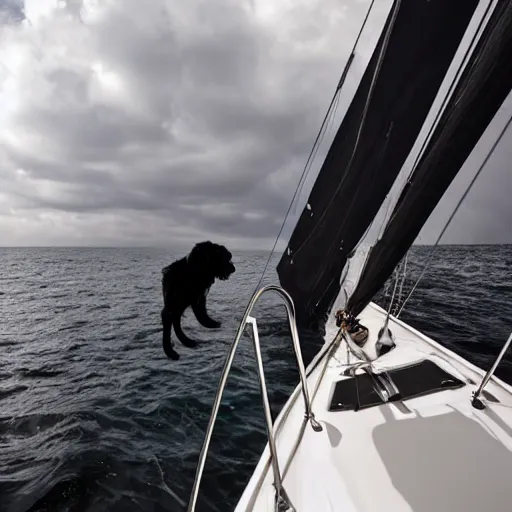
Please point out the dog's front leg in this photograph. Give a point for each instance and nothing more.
(199, 309)
(166, 339)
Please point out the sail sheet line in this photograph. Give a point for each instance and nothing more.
(455, 210)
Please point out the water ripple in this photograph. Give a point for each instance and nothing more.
(93, 417)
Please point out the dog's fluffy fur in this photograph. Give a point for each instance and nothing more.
(185, 283)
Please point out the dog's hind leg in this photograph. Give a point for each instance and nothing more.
(199, 309)
(166, 339)
(179, 332)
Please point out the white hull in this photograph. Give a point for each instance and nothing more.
(431, 453)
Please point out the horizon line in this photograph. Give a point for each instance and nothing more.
(238, 249)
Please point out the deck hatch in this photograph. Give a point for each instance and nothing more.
(419, 379)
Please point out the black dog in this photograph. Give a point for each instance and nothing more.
(185, 283)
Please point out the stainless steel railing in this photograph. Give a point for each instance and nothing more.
(475, 401)
(282, 500)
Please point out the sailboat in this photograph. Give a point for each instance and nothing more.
(385, 418)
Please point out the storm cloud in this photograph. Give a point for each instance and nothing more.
(160, 123)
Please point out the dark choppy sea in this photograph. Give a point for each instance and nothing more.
(93, 417)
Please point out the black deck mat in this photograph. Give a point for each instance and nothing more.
(412, 381)
(355, 393)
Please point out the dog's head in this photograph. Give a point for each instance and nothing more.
(214, 258)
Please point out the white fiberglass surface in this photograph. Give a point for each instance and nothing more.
(435, 452)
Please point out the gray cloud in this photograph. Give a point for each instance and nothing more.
(11, 11)
(162, 122)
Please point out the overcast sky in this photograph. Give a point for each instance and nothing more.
(165, 122)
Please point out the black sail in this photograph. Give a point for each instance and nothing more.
(484, 85)
(343, 202)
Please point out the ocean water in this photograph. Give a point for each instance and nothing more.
(94, 417)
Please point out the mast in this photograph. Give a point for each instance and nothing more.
(415, 50)
(482, 88)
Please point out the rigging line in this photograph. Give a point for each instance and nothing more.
(393, 295)
(365, 234)
(340, 228)
(349, 256)
(383, 225)
(361, 240)
(304, 172)
(336, 92)
(311, 158)
(453, 84)
(447, 96)
(471, 47)
(336, 103)
(363, 118)
(370, 226)
(330, 111)
(318, 141)
(475, 177)
(378, 66)
(402, 281)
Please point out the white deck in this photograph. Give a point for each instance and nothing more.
(436, 454)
